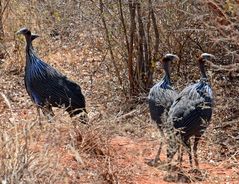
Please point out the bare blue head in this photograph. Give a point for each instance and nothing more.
(24, 31)
(167, 59)
(170, 57)
(206, 57)
(28, 35)
(201, 60)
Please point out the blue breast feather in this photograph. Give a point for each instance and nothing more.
(205, 89)
(36, 71)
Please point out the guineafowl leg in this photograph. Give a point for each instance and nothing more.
(180, 155)
(188, 149)
(39, 116)
(157, 157)
(155, 161)
(195, 151)
(47, 111)
(80, 114)
(172, 148)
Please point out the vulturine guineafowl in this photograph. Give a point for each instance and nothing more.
(190, 114)
(46, 86)
(160, 98)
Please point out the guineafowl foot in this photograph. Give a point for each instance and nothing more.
(49, 118)
(38, 121)
(81, 118)
(84, 118)
(47, 111)
(195, 170)
(197, 174)
(172, 177)
(178, 176)
(154, 162)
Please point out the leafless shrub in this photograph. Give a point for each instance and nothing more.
(89, 41)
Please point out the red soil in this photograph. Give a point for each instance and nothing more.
(134, 152)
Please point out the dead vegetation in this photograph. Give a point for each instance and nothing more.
(112, 148)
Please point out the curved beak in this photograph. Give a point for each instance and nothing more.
(18, 32)
(207, 56)
(172, 57)
(176, 58)
(22, 30)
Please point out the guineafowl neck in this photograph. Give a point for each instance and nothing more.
(29, 47)
(29, 43)
(166, 66)
(202, 69)
(29, 52)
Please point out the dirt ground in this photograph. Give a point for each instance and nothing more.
(111, 150)
(135, 152)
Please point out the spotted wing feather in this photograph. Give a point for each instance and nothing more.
(161, 97)
(46, 85)
(192, 110)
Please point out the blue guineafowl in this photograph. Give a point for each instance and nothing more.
(160, 98)
(190, 114)
(46, 86)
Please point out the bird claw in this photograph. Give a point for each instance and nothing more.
(194, 170)
(154, 162)
(49, 118)
(178, 177)
(198, 174)
(170, 178)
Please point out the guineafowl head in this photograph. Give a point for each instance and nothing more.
(24, 31)
(206, 57)
(166, 61)
(201, 61)
(28, 35)
(170, 57)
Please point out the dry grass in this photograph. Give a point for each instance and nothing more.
(59, 152)
(66, 152)
(112, 148)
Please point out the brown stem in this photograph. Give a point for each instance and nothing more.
(1, 23)
(4, 8)
(123, 25)
(156, 44)
(109, 42)
(131, 46)
(143, 57)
